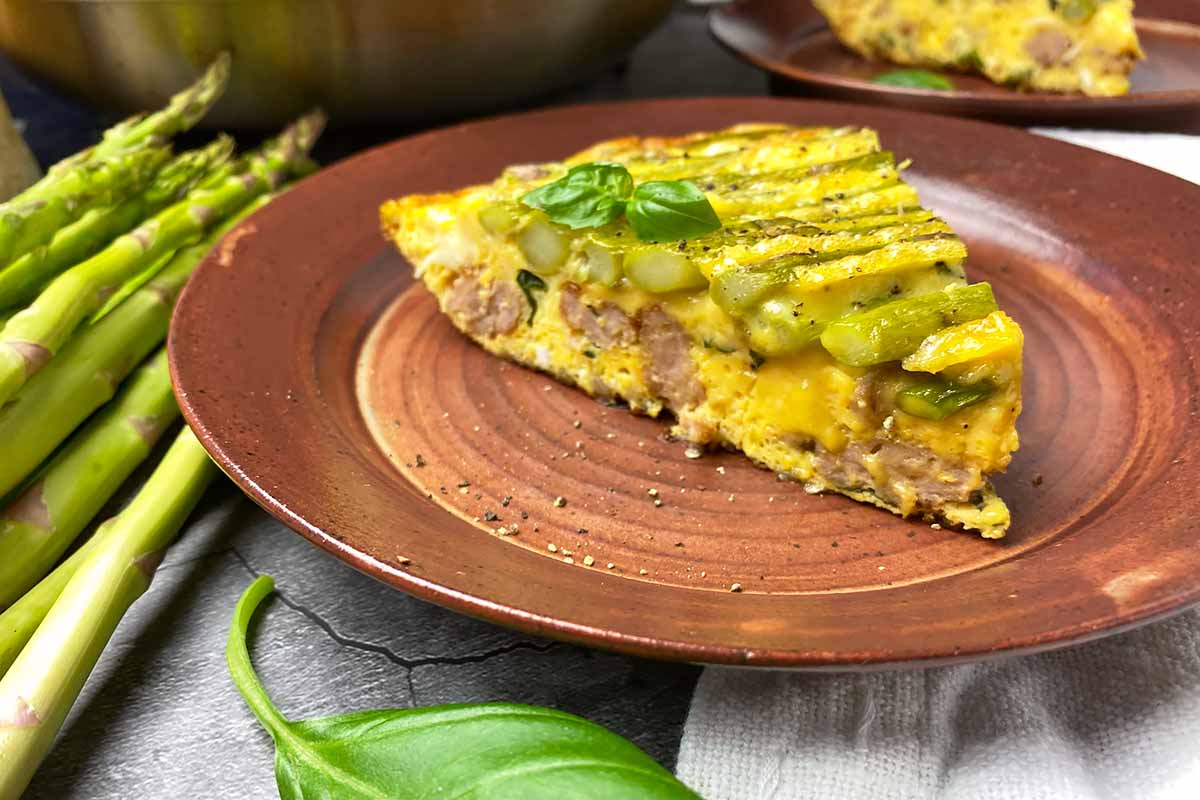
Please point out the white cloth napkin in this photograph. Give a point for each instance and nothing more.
(1119, 718)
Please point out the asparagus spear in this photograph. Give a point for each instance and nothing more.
(20, 281)
(44, 520)
(21, 619)
(34, 335)
(183, 111)
(40, 687)
(893, 330)
(86, 373)
(37, 215)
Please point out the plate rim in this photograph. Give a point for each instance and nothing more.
(590, 635)
(981, 102)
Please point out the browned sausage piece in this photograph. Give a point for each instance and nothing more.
(670, 372)
(604, 325)
(485, 311)
(934, 480)
(1047, 47)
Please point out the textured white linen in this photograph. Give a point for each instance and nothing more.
(1119, 718)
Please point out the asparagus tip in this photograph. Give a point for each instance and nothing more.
(308, 128)
(218, 70)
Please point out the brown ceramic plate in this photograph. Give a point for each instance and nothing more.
(330, 389)
(790, 39)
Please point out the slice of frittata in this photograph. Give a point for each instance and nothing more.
(826, 328)
(1087, 46)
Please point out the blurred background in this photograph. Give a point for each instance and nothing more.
(381, 69)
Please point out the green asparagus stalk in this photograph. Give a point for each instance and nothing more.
(37, 216)
(19, 621)
(21, 280)
(38, 690)
(893, 330)
(935, 398)
(35, 335)
(86, 373)
(183, 111)
(43, 521)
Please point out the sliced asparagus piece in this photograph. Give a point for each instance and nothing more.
(35, 335)
(43, 521)
(500, 218)
(87, 372)
(40, 687)
(28, 223)
(893, 330)
(659, 270)
(936, 399)
(599, 264)
(21, 280)
(544, 246)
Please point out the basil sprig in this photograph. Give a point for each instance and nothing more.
(588, 196)
(669, 210)
(597, 193)
(493, 750)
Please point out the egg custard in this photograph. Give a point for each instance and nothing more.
(826, 329)
(1087, 46)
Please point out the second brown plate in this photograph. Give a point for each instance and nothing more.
(790, 40)
(326, 384)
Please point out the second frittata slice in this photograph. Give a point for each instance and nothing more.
(1087, 46)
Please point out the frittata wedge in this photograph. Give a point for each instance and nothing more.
(825, 328)
(1087, 46)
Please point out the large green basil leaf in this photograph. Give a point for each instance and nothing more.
(664, 211)
(588, 196)
(495, 751)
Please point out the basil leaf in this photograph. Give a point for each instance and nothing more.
(529, 284)
(663, 211)
(914, 79)
(475, 752)
(588, 196)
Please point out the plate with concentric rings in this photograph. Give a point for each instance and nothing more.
(327, 386)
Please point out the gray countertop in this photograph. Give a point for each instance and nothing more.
(159, 716)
